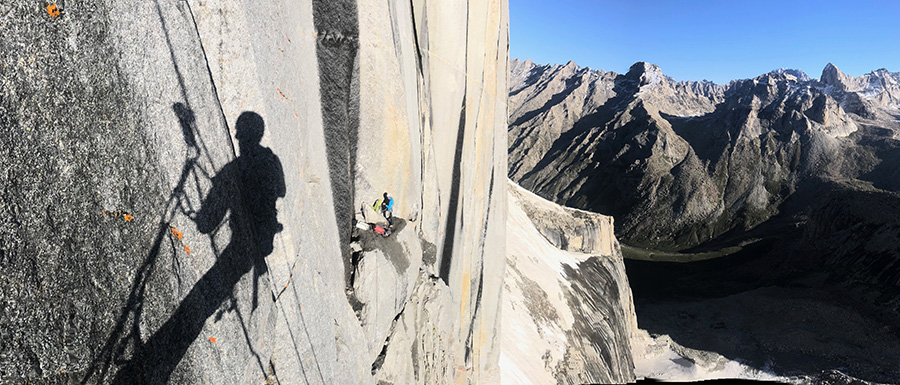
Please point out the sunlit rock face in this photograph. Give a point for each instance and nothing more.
(680, 164)
(182, 182)
(567, 310)
(568, 313)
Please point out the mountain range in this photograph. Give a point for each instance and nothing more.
(781, 164)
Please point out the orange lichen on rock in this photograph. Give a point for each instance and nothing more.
(177, 233)
(128, 217)
(212, 339)
(53, 10)
(187, 249)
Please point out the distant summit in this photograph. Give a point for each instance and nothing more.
(797, 73)
(832, 76)
(645, 73)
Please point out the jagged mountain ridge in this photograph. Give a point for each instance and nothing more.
(681, 163)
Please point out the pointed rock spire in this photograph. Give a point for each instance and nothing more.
(644, 73)
(832, 76)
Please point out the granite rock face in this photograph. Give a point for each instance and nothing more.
(567, 228)
(568, 315)
(182, 182)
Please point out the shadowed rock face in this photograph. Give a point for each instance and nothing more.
(181, 182)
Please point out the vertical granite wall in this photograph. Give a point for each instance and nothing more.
(182, 181)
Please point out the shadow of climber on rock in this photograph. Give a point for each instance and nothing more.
(246, 189)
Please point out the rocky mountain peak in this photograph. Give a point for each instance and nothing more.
(795, 72)
(832, 76)
(645, 73)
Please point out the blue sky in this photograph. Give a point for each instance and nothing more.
(713, 40)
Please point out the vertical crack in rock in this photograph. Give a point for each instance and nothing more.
(469, 347)
(355, 257)
(379, 360)
(395, 34)
(212, 81)
(415, 31)
(421, 90)
(337, 23)
(271, 374)
(453, 205)
(480, 289)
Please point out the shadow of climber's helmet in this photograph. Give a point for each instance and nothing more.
(249, 128)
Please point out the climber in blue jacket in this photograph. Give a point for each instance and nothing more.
(387, 208)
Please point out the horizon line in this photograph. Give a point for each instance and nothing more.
(817, 78)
